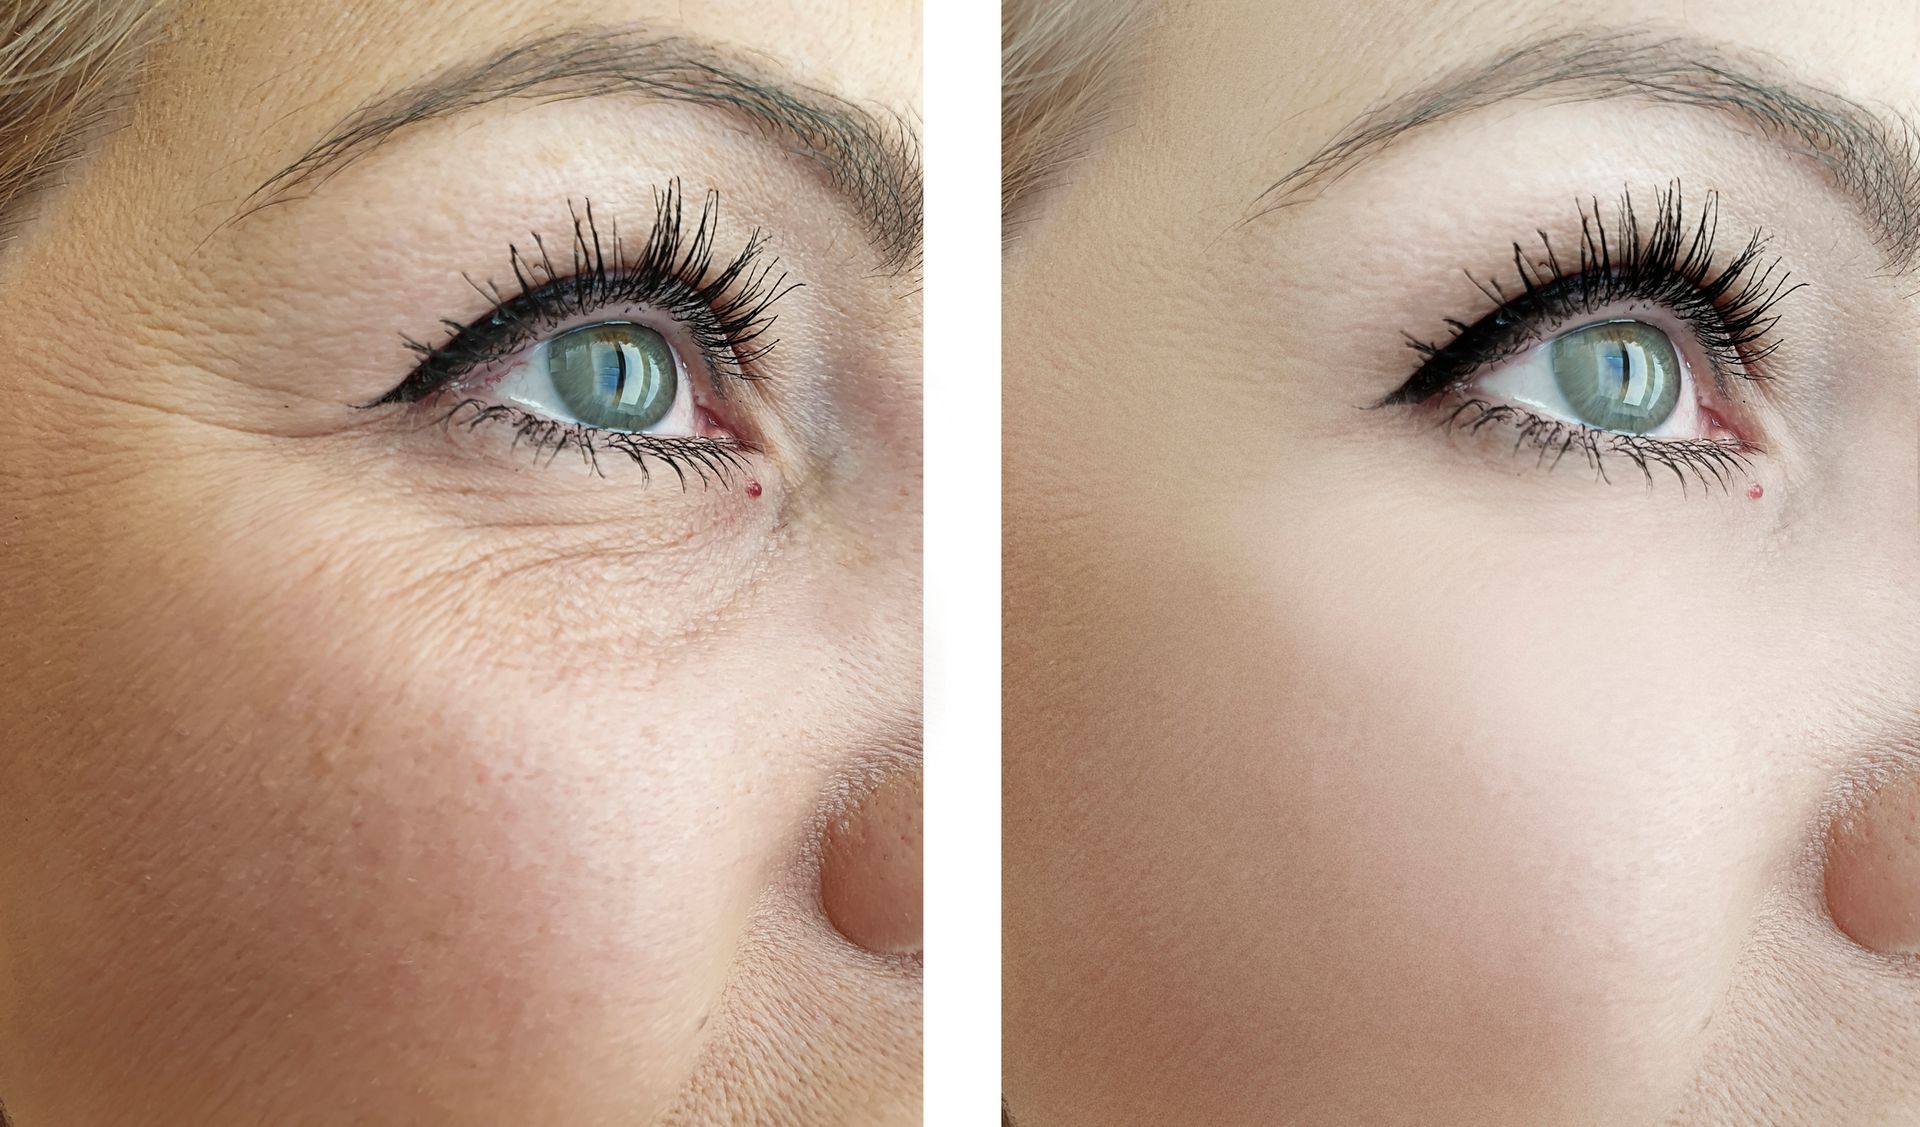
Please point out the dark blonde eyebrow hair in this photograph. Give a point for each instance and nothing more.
(871, 158)
(66, 66)
(1871, 156)
(1064, 67)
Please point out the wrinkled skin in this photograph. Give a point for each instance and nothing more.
(1359, 772)
(360, 770)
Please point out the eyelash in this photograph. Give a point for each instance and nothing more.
(1730, 309)
(725, 311)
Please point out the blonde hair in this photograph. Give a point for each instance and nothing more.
(1062, 64)
(64, 65)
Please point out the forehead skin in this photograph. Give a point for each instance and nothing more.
(1350, 779)
(367, 775)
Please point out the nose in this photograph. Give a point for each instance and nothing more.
(1873, 869)
(870, 868)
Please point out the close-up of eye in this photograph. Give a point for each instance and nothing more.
(596, 354)
(1643, 347)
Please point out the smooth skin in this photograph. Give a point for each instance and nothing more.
(362, 771)
(1357, 773)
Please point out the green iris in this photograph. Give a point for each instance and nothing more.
(1618, 375)
(617, 375)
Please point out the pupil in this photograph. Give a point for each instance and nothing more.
(620, 375)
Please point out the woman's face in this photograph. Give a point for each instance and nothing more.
(1440, 762)
(431, 761)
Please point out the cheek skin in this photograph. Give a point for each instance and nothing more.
(1322, 862)
(287, 835)
(1873, 870)
(447, 920)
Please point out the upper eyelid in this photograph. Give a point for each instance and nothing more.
(1526, 331)
(1671, 261)
(530, 337)
(728, 308)
(514, 337)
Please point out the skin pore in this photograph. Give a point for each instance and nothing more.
(1360, 769)
(367, 769)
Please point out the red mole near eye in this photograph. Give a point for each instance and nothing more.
(753, 489)
(1754, 492)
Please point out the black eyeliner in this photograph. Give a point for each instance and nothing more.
(726, 310)
(1730, 308)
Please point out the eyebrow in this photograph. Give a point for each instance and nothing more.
(871, 158)
(1869, 156)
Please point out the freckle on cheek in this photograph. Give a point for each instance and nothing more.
(1873, 870)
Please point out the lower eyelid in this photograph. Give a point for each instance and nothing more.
(694, 461)
(1555, 445)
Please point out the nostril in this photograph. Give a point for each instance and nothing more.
(870, 868)
(1873, 870)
